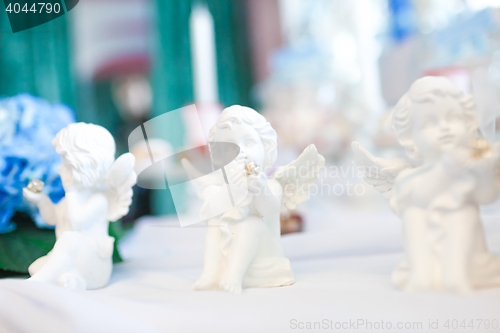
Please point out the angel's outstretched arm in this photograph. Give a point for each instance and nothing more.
(45, 206)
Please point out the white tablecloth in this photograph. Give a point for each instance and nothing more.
(342, 279)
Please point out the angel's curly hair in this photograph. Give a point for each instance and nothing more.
(427, 90)
(89, 149)
(238, 114)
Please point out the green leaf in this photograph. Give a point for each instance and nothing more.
(19, 248)
(11, 274)
(116, 231)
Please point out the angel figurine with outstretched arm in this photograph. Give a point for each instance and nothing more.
(242, 244)
(98, 190)
(438, 200)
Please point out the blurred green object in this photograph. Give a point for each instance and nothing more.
(37, 61)
(171, 72)
(116, 231)
(171, 66)
(18, 249)
(232, 42)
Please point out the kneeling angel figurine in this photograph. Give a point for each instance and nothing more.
(242, 245)
(98, 190)
(438, 201)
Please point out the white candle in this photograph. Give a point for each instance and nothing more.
(203, 55)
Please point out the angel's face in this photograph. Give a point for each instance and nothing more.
(439, 126)
(248, 139)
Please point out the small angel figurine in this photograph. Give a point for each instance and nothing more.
(98, 190)
(242, 245)
(438, 200)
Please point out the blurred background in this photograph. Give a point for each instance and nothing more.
(325, 72)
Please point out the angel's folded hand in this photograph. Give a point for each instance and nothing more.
(257, 183)
(235, 175)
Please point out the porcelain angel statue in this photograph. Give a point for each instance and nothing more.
(98, 190)
(242, 244)
(438, 201)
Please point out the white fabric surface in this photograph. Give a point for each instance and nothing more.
(342, 274)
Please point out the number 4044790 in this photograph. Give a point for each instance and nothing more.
(39, 8)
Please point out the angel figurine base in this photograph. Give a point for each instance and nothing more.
(438, 201)
(98, 190)
(242, 244)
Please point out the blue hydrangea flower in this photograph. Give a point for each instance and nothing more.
(27, 127)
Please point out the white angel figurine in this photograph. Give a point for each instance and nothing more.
(242, 245)
(98, 190)
(438, 201)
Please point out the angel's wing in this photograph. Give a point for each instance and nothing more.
(200, 181)
(298, 177)
(377, 171)
(119, 184)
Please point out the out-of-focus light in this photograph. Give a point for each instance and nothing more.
(482, 4)
(326, 94)
(203, 54)
(344, 47)
(345, 53)
(494, 69)
(458, 7)
(132, 94)
(427, 28)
